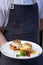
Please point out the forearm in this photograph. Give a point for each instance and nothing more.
(2, 39)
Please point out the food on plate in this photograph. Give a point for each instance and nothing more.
(24, 49)
(15, 45)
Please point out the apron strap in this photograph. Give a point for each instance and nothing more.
(11, 4)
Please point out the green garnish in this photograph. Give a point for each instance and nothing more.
(23, 53)
(17, 55)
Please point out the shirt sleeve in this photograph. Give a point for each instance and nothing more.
(2, 17)
(4, 12)
(40, 6)
(41, 9)
(7, 11)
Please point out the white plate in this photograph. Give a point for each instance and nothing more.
(12, 54)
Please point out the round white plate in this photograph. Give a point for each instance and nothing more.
(12, 54)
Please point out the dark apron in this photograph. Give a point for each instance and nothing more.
(23, 23)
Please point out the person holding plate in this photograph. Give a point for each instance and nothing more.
(19, 19)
